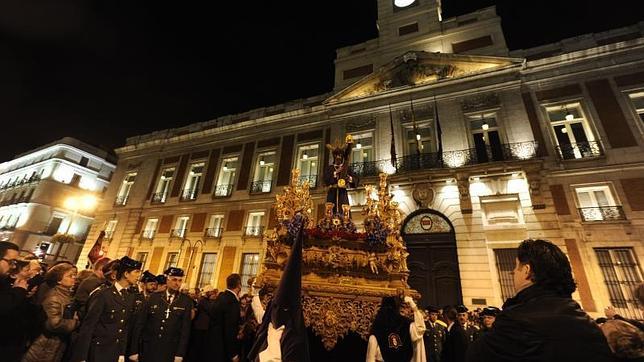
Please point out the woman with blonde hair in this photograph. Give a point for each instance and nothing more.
(61, 321)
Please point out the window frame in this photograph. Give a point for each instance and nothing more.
(254, 265)
(302, 147)
(585, 120)
(364, 134)
(200, 276)
(223, 162)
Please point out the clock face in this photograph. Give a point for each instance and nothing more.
(403, 3)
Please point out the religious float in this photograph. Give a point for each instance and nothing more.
(345, 272)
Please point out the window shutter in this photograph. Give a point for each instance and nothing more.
(610, 114)
(198, 222)
(235, 220)
(559, 198)
(246, 165)
(178, 180)
(286, 159)
(166, 223)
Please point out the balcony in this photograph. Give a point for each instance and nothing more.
(214, 233)
(223, 190)
(189, 195)
(120, 200)
(602, 213)
(580, 150)
(448, 159)
(148, 234)
(261, 187)
(178, 233)
(312, 179)
(159, 197)
(253, 231)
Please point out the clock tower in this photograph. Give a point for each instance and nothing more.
(398, 18)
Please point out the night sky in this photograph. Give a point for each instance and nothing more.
(105, 70)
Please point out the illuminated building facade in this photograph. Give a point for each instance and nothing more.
(492, 146)
(52, 192)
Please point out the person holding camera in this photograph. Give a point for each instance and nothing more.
(62, 319)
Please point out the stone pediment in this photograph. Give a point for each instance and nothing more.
(416, 68)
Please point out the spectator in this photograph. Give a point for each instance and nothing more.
(541, 322)
(625, 340)
(488, 316)
(224, 321)
(13, 298)
(197, 349)
(394, 337)
(61, 319)
(90, 284)
(248, 326)
(161, 283)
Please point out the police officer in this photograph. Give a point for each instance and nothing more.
(488, 316)
(163, 326)
(161, 283)
(435, 334)
(103, 334)
(471, 330)
(149, 284)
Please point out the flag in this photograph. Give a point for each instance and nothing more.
(282, 333)
(439, 134)
(96, 252)
(393, 141)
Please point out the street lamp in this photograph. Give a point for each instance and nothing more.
(76, 204)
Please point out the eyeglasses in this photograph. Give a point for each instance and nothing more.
(12, 262)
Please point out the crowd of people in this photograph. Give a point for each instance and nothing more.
(115, 312)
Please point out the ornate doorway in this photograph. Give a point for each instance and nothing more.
(432, 260)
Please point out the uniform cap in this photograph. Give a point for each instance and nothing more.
(174, 272)
(148, 277)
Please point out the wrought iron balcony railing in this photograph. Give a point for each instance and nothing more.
(580, 150)
(253, 231)
(159, 197)
(213, 232)
(178, 233)
(260, 187)
(602, 213)
(312, 179)
(120, 200)
(189, 194)
(148, 234)
(448, 159)
(223, 190)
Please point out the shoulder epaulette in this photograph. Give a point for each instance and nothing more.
(441, 323)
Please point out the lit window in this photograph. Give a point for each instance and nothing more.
(362, 150)
(109, 228)
(264, 170)
(150, 228)
(307, 163)
(638, 103)
(418, 140)
(171, 260)
(249, 269)
(124, 190)
(163, 186)
(597, 203)
(572, 132)
(143, 258)
(181, 226)
(486, 136)
(215, 226)
(255, 224)
(207, 269)
(226, 177)
(192, 183)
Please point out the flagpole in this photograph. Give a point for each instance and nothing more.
(393, 141)
(439, 134)
(413, 122)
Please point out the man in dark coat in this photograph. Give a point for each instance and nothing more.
(103, 333)
(224, 323)
(488, 316)
(471, 331)
(435, 335)
(542, 322)
(162, 329)
(87, 286)
(456, 341)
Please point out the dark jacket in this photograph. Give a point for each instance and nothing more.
(51, 345)
(13, 306)
(162, 330)
(434, 339)
(540, 325)
(103, 333)
(456, 344)
(224, 325)
(81, 297)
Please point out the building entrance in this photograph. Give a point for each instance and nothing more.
(432, 260)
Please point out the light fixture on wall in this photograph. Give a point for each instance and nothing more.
(564, 130)
(484, 126)
(305, 155)
(358, 145)
(261, 161)
(225, 166)
(417, 136)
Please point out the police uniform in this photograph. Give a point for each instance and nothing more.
(434, 337)
(163, 326)
(472, 332)
(488, 311)
(103, 334)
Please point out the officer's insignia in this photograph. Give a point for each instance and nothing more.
(178, 308)
(394, 341)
